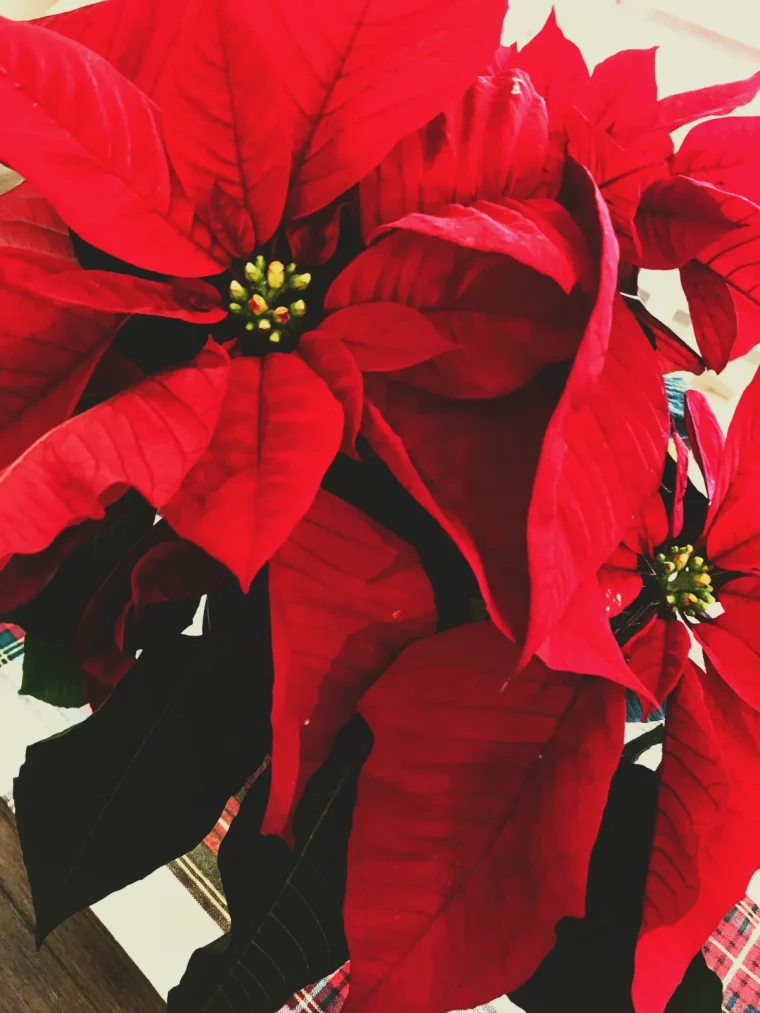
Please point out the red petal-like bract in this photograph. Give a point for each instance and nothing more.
(498, 342)
(705, 436)
(147, 438)
(733, 521)
(279, 430)
(346, 596)
(494, 143)
(47, 352)
(366, 76)
(673, 352)
(602, 455)
(732, 641)
(676, 111)
(712, 313)
(658, 654)
(705, 842)
(475, 817)
(443, 453)
(724, 152)
(621, 96)
(91, 141)
(555, 67)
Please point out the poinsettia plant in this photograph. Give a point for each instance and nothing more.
(327, 316)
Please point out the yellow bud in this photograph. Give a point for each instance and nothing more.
(265, 325)
(250, 325)
(238, 292)
(698, 561)
(276, 274)
(708, 599)
(281, 314)
(290, 269)
(274, 337)
(670, 599)
(688, 549)
(236, 308)
(703, 579)
(690, 598)
(258, 304)
(253, 273)
(668, 567)
(300, 281)
(298, 308)
(681, 560)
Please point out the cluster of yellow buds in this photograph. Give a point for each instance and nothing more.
(685, 580)
(265, 304)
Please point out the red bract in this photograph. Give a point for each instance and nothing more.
(675, 587)
(612, 122)
(458, 865)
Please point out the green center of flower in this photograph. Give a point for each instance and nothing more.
(684, 580)
(269, 303)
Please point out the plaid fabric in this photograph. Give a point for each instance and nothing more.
(11, 643)
(733, 952)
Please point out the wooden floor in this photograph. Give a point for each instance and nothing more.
(80, 969)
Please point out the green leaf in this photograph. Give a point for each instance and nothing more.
(700, 991)
(144, 779)
(286, 905)
(51, 673)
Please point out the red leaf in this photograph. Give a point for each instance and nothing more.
(313, 240)
(676, 111)
(673, 352)
(346, 597)
(733, 521)
(379, 70)
(650, 527)
(135, 36)
(329, 358)
(712, 313)
(47, 352)
(217, 131)
(499, 343)
(705, 437)
(693, 869)
(619, 580)
(147, 438)
(602, 455)
(724, 152)
(47, 278)
(475, 817)
(732, 641)
(91, 141)
(556, 67)
(443, 453)
(491, 144)
(278, 432)
(173, 570)
(504, 228)
(658, 654)
(676, 219)
(23, 577)
(621, 96)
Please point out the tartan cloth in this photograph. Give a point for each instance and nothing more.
(732, 951)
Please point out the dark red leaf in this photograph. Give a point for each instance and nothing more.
(506, 228)
(346, 596)
(619, 580)
(147, 438)
(602, 455)
(475, 817)
(443, 452)
(676, 219)
(705, 436)
(173, 570)
(90, 140)
(313, 239)
(279, 430)
(713, 316)
(693, 869)
(676, 111)
(383, 69)
(329, 358)
(682, 478)
(658, 654)
(556, 67)
(724, 152)
(673, 352)
(491, 144)
(23, 577)
(385, 336)
(499, 343)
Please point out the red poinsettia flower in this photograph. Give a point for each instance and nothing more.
(189, 181)
(668, 211)
(461, 857)
(674, 594)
